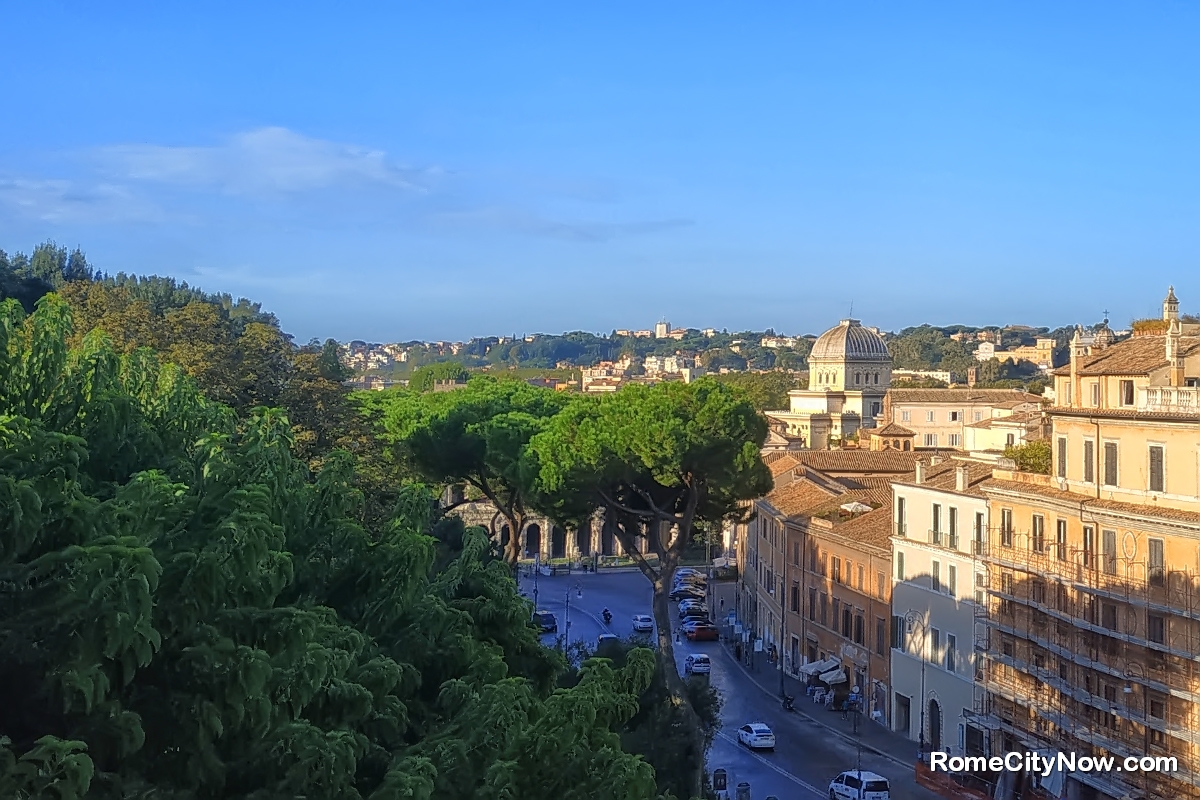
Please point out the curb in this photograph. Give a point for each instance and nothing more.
(840, 734)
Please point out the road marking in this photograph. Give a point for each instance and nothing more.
(793, 778)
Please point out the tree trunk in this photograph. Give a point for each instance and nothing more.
(512, 550)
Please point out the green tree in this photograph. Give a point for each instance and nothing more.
(667, 456)
(1031, 456)
(190, 612)
(767, 391)
(423, 378)
(476, 435)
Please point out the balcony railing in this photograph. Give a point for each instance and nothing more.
(1172, 399)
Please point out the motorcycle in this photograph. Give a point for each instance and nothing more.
(607, 617)
(789, 703)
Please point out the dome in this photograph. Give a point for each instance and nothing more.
(850, 341)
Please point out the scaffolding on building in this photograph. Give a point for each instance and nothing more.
(1093, 650)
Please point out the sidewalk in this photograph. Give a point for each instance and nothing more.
(871, 735)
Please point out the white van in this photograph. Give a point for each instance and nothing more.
(858, 784)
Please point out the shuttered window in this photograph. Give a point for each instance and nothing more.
(1062, 458)
(1089, 461)
(1110, 463)
(1156, 468)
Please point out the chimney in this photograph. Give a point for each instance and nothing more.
(920, 472)
(961, 478)
(935, 460)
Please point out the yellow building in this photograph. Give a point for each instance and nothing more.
(1091, 640)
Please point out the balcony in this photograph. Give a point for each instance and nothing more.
(1169, 399)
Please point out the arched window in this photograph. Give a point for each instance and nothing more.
(876, 377)
(857, 378)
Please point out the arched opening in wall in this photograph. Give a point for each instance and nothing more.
(606, 542)
(533, 541)
(935, 725)
(583, 541)
(558, 542)
(505, 535)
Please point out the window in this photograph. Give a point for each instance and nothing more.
(1156, 628)
(935, 534)
(1126, 393)
(1037, 591)
(1060, 538)
(931, 439)
(1010, 440)
(1156, 468)
(860, 635)
(1157, 566)
(858, 377)
(1089, 461)
(1070, 398)
(1110, 463)
(812, 605)
(1039, 534)
(795, 596)
(1089, 546)
(952, 579)
(954, 440)
(905, 416)
(1096, 394)
(953, 521)
(980, 528)
(955, 416)
(837, 570)
(880, 635)
(901, 515)
(898, 638)
(796, 554)
(1109, 551)
(1062, 457)
(979, 416)
(930, 416)
(899, 565)
(823, 606)
(837, 613)
(812, 560)
(847, 621)
(861, 575)
(1108, 616)
(951, 647)
(935, 580)
(1006, 527)
(935, 645)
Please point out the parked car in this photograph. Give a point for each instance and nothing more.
(546, 621)
(643, 623)
(695, 611)
(705, 632)
(689, 604)
(606, 638)
(756, 736)
(697, 664)
(857, 784)
(691, 622)
(685, 592)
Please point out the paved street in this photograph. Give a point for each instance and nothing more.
(808, 754)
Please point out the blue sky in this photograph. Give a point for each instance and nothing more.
(448, 170)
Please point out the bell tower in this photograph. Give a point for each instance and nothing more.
(1170, 306)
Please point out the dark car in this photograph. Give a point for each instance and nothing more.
(683, 592)
(546, 621)
(703, 633)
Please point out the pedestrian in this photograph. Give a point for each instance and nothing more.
(722, 603)
(737, 651)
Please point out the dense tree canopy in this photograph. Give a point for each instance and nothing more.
(187, 611)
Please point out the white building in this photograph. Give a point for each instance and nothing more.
(938, 603)
(849, 371)
(662, 330)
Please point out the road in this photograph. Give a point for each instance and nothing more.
(807, 755)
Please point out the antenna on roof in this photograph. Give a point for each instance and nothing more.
(852, 309)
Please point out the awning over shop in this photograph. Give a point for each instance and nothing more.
(817, 667)
(834, 676)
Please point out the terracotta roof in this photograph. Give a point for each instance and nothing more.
(798, 497)
(891, 429)
(874, 527)
(1150, 511)
(835, 461)
(1004, 398)
(874, 482)
(944, 476)
(778, 466)
(1020, 418)
(1140, 355)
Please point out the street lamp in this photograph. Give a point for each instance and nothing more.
(910, 619)
(567, 616)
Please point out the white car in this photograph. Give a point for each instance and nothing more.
(756, 736)
(857, 784)
(698, 664)
(607, 638)
(643, 623)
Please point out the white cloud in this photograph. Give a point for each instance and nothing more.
(62, 201)
(267, 160)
